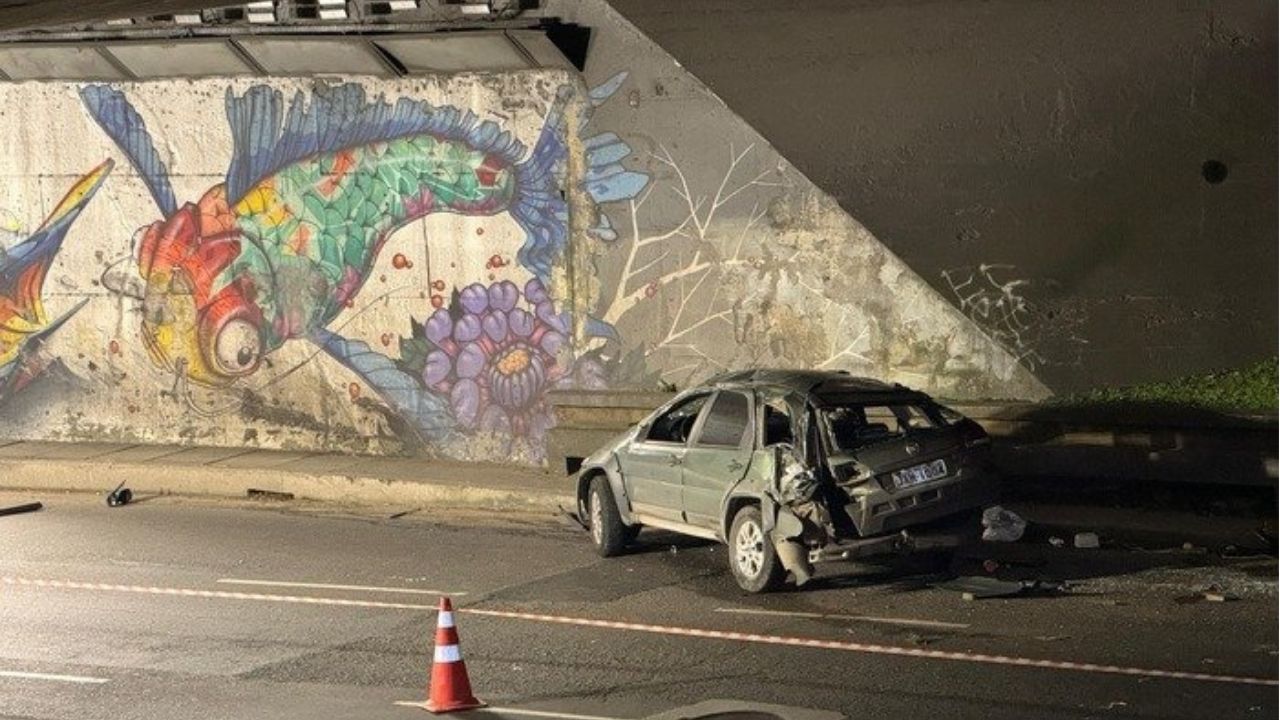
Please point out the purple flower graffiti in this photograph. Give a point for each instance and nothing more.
(496, 360)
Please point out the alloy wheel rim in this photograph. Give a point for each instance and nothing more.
(750, 549)
(597, 519)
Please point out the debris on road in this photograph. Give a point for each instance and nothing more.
(1000, 525)
(977, 587)
(19, 509)
(571, 518)
(1057, 541)
(972, 588)
(1087, 541)
(256, 494)
(990, 566)
(120, 496)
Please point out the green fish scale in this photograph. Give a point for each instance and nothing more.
(345, 219)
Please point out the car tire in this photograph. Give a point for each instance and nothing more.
(608, 534)
(752, 558)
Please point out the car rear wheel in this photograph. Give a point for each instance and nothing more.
(752, 559)
(609, 535)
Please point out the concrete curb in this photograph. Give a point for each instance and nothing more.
(356, 489)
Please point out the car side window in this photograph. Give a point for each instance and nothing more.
(674, 425)
(727, 421)
(777, 424)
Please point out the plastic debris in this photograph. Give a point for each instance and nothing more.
(1087, 540)
(257, 494)
(975, 588)
(19, 509)
(1000, 525)
(120, 496)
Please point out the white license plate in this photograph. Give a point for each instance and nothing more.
(917, 474)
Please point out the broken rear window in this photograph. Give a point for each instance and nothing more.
(855, 426)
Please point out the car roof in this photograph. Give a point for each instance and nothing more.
(822, 383)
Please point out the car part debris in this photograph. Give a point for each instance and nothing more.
(977, 587)
(257, 494)
(1087, 541)
(121, 495)
(982, 587)
(19, 509)
(572, 518)
(1000, 525)
(800, 521)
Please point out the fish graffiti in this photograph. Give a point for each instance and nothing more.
(314, 189)
(25, 324)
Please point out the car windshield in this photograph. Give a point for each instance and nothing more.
(853, 426)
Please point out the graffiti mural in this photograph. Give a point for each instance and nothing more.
(494, 354)
(288, 241)
(24, 323)
(411, 266)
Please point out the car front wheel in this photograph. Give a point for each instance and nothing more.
(608, 533)
(752, 558)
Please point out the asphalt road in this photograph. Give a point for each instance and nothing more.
(184, 608)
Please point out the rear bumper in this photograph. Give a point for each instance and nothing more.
(948, 534)
(876, 511)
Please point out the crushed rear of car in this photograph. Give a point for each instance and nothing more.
(790, 468)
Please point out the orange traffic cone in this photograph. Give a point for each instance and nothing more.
(450, 688)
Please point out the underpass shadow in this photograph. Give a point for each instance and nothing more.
(1109, 443)
(651, 541)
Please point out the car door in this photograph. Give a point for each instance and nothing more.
(651, 463)
(718, 456)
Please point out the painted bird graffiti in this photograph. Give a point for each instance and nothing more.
(24, 322)
(312, 193)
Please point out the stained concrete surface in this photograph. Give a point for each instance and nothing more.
(166, 655)
(1048, 156)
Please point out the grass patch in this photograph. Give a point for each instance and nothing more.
(1249, 389)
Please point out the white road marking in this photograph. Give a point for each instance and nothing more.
(327, 586)
(872, 649)
(518, 711)
(54, 678)
(909, 622)
(754, 638)
(219, 594)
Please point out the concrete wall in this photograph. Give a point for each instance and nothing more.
(732, 258)
(642, 235)
(138, 359)
(1039, 164)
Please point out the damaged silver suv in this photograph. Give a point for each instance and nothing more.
(790, 468)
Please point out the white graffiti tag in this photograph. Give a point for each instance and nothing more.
(998, 307)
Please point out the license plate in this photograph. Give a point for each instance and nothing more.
(917, 474)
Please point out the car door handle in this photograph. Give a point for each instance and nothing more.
(735, 466)
(674, 460)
